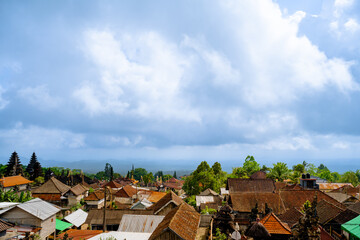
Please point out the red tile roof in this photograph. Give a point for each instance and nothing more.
(274, 225)
(113, 184)
(169, 197)
(48, 197)
(183, 221)
(126, 192)
(327, 211)
(14, 181)
(76, 234)
(240, 185)
(95, 196)
(291, 216)
(244, 202)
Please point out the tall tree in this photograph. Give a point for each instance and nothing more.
(37, 171)
(174, 176)
(250, 166)
(34, 168)
(279, 171)
(109, 171)
(14, 167)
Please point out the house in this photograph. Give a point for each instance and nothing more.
(208, 198)
(114, 185)
(139, 223)
(76, 193)
(344, 198)
(36, 213)
(351, 229)
(3, 227)
(340, 219)
(355, 207)
(142, 204)
(95, 200)
(166, 204)
(349, 189)
(127, 192)
(174, 184)
(95, 218)
(154, 196)
(61, 225)
(52, 191)
(19, 183)
(240, 185)
(308, 182)
(327, 211)
(181, 222)
(77, 218)
(291, 216)
(276, 228)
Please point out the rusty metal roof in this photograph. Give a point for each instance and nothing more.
(139, 223)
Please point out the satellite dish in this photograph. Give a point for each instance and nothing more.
(236, 235)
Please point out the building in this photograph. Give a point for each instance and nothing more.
(36, 213)
(139, 223)
(77, 218)
(76, 193)
(19, 183)
(52, 191)
(166, 204)
(351, 229)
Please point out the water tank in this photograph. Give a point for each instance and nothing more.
(308, 175)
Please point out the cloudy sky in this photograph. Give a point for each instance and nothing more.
(181, 81)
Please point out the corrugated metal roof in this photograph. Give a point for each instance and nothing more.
(139, 223)
(60, 225)
(7, 204)
(204, 199)
(77, 218)
(332, 186)
(122, 236)
(145, 204)
(39, 208)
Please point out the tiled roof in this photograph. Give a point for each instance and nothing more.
(340, 197)
(113, 184)
(355, 207)
(94, 186)
(76, 234)
(78, 189)
(126, 192)
(156, 196)
(169, 197)
(258, 175)
(176, 185)
(327, 211)
(183, 221)
(52, 186)
(239, 185)
(345, 216)
(14, 181)
(274, 225)
(348, 189)
(244, 202)
(48, 197)
(5, 225)
(297, 198)
(280, 185)
(95, 196)
(291, 216)
(208, 192)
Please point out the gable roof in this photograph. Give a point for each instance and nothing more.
(297, 198)
(291, 216)
(156, 196)
(258, 175)
(95, 196)
(274, 225)
(113, 184)
(39, 208)
(345, 216)
(146, 203)
(76, 234)
(183, 221)
(208, 192)
(139, 223)
(127, 192)
(78, 189)
(113, 217)
(327, 211)
(339, 196)
(332, 186)
(14, 181)
(355, 207)
(164, 201)
(5, 225)
(244, 202)
(77, 218)
(239, 185)
(52, 186)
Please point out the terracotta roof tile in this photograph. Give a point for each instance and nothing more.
(183, 221)
(244, 202)
(169, 197)
(14, 181)
(76, 234)
(156, 196)
(239, 185)
(126, 192)
(274, 225)
(345, 216)
(113, 184)
(5, 225)
(48, 197)
(95, 196)
(291, 216)
(326, 211)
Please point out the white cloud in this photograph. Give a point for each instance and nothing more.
(292, 143)
(297, 17)
(3, 102)
(141, 75)
(343, 3)
(35, 137)
(39, 97)
(352, 25)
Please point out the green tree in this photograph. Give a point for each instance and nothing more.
(109, 172)
(311, 169)
(138, 172)
(175, 175)
(148, 178)
(325, 174)
(350, 177)
(299, 168)
(265, 169)
(238, 172)
(279, 171)
(335, 177)
(14, 167)
(30, 166)
(250, 165)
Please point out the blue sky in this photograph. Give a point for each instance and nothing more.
(181, 81)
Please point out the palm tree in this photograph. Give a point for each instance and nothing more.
(279, 171)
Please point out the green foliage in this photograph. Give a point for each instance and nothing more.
(311, 169)
(13, 196)
(219, 236)
(250, 166)
(109, 172)
(138, 172)
(39, 180)
(325, 174)
(300, 168)
(174, 175)
(204, 177)
(208, 210)
(148, 178)
(166, 177)
(76, 207)
(100, 175)
(14, 167)
(191, 200)
(91, 190)
(306, 206)
(279, 171)
(265, 169)
(350, 177)
(238, 172)
(335, 177)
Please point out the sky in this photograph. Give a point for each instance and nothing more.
(179, 82)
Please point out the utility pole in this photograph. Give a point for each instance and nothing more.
(104, 219)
